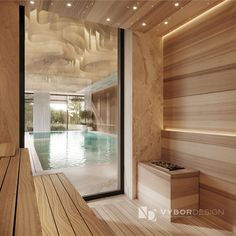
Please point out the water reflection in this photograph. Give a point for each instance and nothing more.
(58, 150)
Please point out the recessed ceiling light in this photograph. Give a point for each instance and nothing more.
(135, 7)
(69, 4)
(144, 24)
(32, 2)
(166, 22)
(176, 4)
(108, 19)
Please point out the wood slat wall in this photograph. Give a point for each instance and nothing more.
(200, 104)
(214, 156)
(199, 73)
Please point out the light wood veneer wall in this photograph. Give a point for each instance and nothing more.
(105, 102)
(147, 97)
(200, 102)
(9, 72)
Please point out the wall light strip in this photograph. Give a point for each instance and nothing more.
(220, 133)
(198, 17)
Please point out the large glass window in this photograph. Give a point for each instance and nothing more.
(72, 100)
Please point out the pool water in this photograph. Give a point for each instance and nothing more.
(57, 150)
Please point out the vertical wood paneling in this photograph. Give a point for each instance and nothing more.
(9, 72)
(199, 99)
(106, 109)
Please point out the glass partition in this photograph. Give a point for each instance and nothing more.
(72, 101)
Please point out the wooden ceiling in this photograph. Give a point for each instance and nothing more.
(72, 48)
(162, 16)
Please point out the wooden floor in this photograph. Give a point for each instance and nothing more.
(122, 217)
(63, 212)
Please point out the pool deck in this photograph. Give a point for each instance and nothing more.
(87, 180)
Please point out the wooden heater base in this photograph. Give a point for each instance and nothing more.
(171, 193)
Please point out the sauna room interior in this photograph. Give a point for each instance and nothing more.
(117, 117)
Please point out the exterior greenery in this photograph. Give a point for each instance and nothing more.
(86, 117)
(28, 117)
(58, 120)
(62, 120)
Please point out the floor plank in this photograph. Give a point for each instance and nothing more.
(114, 227)
(134, 221)
(125, 212)
(125, 220)
(155, 228)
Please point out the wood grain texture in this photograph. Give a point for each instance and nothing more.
(122, 218)
(7, 149)
(217, 201)
(207, 112)
(63, 211)
(106, 110)
(46, 217)
(18, 208)
(4, 162)
(27, 216)
(147, 96)
(96, 227)
(121, 13)
(214, 157)
(168, 190)
(60, 216)
(77, 222)
(199, 104)
(199, 73)
(9, 72)
(8, 196)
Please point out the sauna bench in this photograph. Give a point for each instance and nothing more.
(172, 193)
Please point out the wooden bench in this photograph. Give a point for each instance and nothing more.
(43, 205)
(7, 149)
(63, 211)
(18, 206)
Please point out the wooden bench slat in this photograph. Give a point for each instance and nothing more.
(45, 213)
(3, 168)
(96, 226)
(27, 217)
(60, 216)
(73, 214)
(8, 197)
(7, 149)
